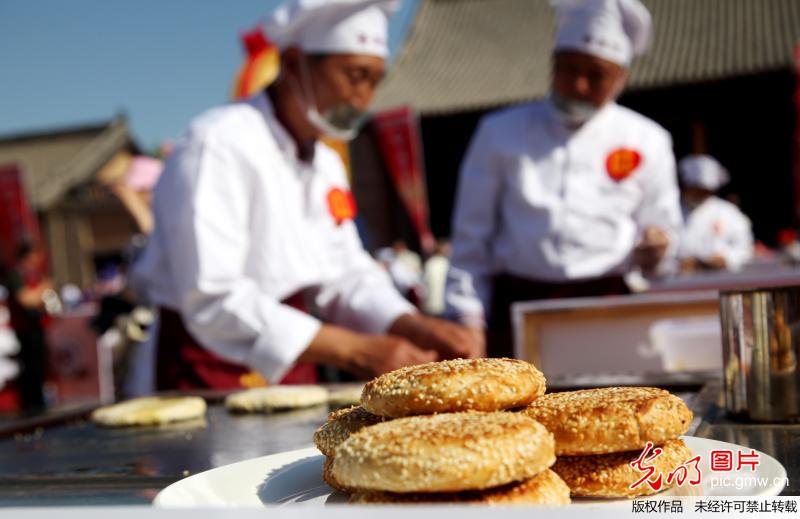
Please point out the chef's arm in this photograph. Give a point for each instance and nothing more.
(739, 244)
(468, 289)
(361, 354)
(365, 300)
(448, 339)
(659, 216)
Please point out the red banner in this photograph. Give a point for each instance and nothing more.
(401, 147)
(17, 221)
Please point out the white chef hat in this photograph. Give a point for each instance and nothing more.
(616, 30)
(333, 26)
(702, 171)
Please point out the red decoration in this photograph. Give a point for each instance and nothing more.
(341, 205)
(261, 64)
(400, 143)
(622, 162)
(18, 222)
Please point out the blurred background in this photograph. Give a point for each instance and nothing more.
(94, 92)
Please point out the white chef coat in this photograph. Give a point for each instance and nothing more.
(241, 224)
(536, 200)
(717, 228)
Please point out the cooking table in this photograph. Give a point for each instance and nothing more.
(74, 462)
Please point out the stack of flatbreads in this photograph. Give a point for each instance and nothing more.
(439, 432)
(599, 433)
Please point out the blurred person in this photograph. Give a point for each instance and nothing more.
(9, 346)
(28, 286)
(564, 196)
(788, 248)
(435, 278)
(254, 225)
(716, 234)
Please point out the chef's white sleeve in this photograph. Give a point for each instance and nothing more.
(738, 241)
(468, 292)
(206, 229)
(660, 205)
(364, 299)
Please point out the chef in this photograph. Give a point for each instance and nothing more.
(716, 235)
(255, 262)
(562, 197)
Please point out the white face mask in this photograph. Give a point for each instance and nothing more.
(572, 111)
(340, 122)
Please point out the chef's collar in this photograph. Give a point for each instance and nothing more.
(282, 136)
(557, 120)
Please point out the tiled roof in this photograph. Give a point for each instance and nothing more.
(472, 54)
(58, 160)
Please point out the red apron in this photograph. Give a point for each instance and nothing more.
(184, 364)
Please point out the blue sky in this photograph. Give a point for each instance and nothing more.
(65, 63)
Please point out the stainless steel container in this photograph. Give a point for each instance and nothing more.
(760, 348)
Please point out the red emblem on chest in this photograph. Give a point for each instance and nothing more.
(622, 162)
(341, 205)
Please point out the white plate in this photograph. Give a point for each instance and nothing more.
(296, 477)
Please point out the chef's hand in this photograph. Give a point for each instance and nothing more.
(365, 356)
(384, 353)
(716, 262)
(689, 265)
(651, 249)
(31, 297)
(450, 340)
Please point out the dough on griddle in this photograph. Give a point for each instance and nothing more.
(152, 410)
(346, 395)
(276, 398)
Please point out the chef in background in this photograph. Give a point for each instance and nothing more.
(716, 234)
(564, 196)
(255, 262)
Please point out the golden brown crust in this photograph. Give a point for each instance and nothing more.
(545, 488)
(340, 425)
(611, 475)
(328, 477)
(444, 453)
(614, 419)
(452, 386)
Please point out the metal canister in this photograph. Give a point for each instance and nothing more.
(760, 348)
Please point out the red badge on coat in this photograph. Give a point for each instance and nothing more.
(341, 205)
(622, 162)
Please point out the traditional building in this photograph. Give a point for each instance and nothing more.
(67, 174)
